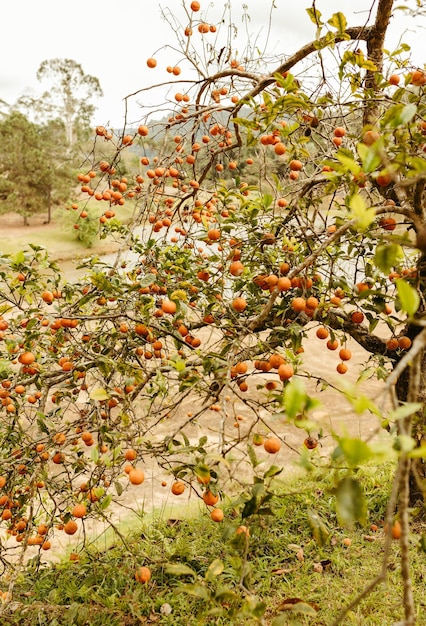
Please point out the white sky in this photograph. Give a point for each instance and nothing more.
(111, 39)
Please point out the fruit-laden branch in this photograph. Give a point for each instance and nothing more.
(355, 33)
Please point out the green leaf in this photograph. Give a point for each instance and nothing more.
(250, 508)
(355, 450)
(318, 528)
(118, 488)
(388, 255)
(202, 471)
(369, 156)
(99, 394)
(215, 568)
(274, 470)
(95, 454)
(106, 502)
(400, 115)
(179, 569)
(348, 162)
(147, 280)
(294, 398)
(338, 21)
(405, 410)
(252, 456)
(419, 452)
(408, 297)
(315, 16)
(351, 504)
(18, 259)
(363, 215)
(196, 591)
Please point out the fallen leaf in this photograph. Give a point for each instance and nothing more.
(298, 606)
(282, 570)
(369, 538)
(300, 555)
(318, 568)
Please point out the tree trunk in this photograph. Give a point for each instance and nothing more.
(418, 466)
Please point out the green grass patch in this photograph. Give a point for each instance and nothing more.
(205, 573)
(60, 238)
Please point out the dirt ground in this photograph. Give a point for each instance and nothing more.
(335, 415)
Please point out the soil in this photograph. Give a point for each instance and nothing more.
(334, 415)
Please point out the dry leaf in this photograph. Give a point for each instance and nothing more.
(300, 555)
(296, 604)
(318, 568)
(369, 538)
(281, 570)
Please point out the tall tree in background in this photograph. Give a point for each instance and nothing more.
(35, 173)
(68, 95)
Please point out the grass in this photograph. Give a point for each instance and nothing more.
(204, 573)
(59, 238)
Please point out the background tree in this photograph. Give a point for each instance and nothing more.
(68, 96)
(35, 170)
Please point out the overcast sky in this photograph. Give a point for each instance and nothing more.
(111, 39)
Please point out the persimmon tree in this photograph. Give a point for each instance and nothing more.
(221, 285)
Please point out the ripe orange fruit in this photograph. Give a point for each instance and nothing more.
(342, 368)
(285, 371)
(195, 6)
(213, 234)
(387, 223)
(392, 344)
(404, 343)
(345, 354)
(178, 488)
(383, 180)
(151, 62)
(357, 317)
(210, 498)
(236, 268)
(312, 303)
(130, 455)
(272, 445)
(143, 132)
(295, 165)
(370, 137)
(322, 333)
(143, 575)
(394, 79)
(298, 304)
(239, 304)
(396, 530)
(136, 476)
(275, 360)
(280, 148)
(217, 515)
(332, 345)
(79, 511)
(70, 528)
(47, 296)
(339, 131)
(26, 358)
(168, 306)
(243, 530)
(418, 78)
(311, 443)
(283, 283)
